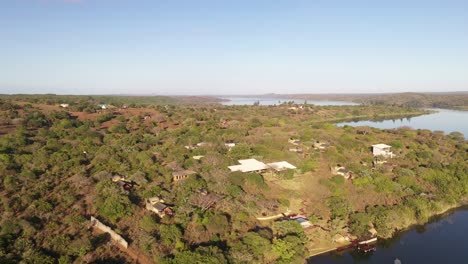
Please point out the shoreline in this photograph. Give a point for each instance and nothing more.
(381, 117)
(437, 216)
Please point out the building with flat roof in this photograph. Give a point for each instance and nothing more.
(249, 165)
(382, 150)
(253, 165)
(281, 166)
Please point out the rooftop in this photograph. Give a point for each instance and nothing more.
(248, 165)
(183, 173)
(381, 146)
(281, 165)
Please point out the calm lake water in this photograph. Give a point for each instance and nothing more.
(277, 101)
(441, 241)
(444, 120)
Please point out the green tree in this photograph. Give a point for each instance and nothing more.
(115, 207)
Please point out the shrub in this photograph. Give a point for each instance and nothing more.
(115, 207)
(339, 207)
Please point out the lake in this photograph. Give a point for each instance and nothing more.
(444, 120)
(443, 240)
(277, 101)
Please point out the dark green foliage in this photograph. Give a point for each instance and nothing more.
(282, 229)
(360, 224)
(308, 165)
(114, 207)
(339, 207)
(104, 117)
(241, 151)
(201, 255)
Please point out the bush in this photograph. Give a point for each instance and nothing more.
(241, 151)
(103, 118)
(115, 207)
(308, 165)
(363, 182)
(339, 207)
(359, 224)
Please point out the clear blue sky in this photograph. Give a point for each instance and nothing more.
(232, 47)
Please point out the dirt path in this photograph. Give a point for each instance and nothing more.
(274, 216)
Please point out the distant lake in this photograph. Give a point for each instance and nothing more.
(444, 120)
(277, 101)
(441, 241)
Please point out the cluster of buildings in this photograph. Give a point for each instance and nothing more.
(380, 151)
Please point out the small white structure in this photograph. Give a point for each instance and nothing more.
(229, 145)
(302, 220)
(281, 166)
(199, 157)
(201, 144)
(382, 150)
(103, 106)
(64, 105)
(249, 165)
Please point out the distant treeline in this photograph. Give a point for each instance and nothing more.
(450, 100)
(115, 100)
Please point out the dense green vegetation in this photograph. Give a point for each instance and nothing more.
(56, 170)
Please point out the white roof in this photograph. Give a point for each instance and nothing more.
(249, 165)
(381, 146)
(281, 165)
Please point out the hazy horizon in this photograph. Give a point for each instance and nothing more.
(232, 48)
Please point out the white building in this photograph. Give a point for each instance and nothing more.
(281, 166)
(382, 150)
(249, 165)
(253, 165)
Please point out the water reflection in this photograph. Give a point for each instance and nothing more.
(444, 120)
(442, 240)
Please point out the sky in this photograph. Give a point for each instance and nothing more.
(195, 47)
